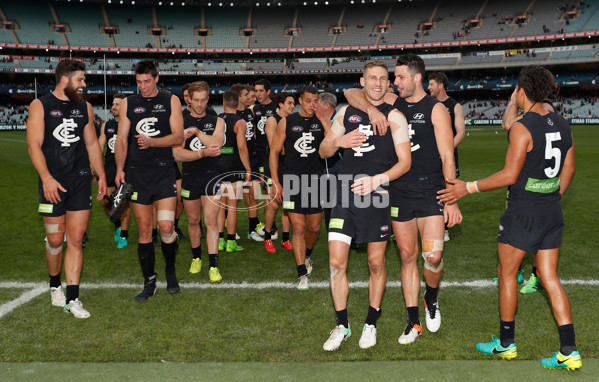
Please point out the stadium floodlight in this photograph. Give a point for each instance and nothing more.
(133, 2)
(316, 3)
(231, 4)
(220, 4)
(351, 2)
(160, 3)
(326, 3)
(305, 3)
(279, 4)
(209, 4)
(109, 1)
(183, 4)
(172, 3)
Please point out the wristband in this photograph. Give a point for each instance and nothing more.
(472, 187)
(201, 154)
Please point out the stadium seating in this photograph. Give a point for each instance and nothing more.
(315, 23)
(34, 19)
(270, 25)
(85, 21)
(225, 24)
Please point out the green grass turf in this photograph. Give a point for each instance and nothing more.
(283, 325)
(7, 295)
(438, 371)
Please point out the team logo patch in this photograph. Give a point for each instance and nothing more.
(355, 119)
(315, 126)
(500, 227)
(418, 116)
(75, 112)
(385, 228)
(56, 113)
(158, 107)
(139, 110)
(297, 129)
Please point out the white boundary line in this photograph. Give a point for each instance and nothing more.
(38, 288)
(270, 285)
(23, 299)
(12, 140)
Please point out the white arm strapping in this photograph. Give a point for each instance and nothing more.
(401, 134)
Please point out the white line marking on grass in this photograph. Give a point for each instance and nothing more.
(270, 285)
(23, 299)
(12, 140)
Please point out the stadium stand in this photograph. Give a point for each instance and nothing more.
(34, 20)
(270, 25)
(133, 24)
(85, 21)
(179, 27)
(360, 22)
(314, 24)
(225, 24)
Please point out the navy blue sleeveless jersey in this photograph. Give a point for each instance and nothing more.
(207, 124)
(149, 117)
(538, 182)
(377, 153)
(110, 132)
(250, 137)
(426, 162)
(262, 113)
(64, 146)
(303, 138)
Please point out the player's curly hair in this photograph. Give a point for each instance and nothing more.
(68, 68)
(537, 83)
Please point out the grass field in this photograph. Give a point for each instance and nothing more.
(255, 325)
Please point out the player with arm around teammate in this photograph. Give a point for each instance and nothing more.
(62, 144)
(414, 208)
(362, 211)
(539, 167)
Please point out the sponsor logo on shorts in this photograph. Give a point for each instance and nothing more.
(297, 129)
(134, 196)
(185, 193)
(139, 110)
(394, 212)
(56, 113)
(336, 223)
(288, 205)
(45, 208)
(385, 228)
(355, 119)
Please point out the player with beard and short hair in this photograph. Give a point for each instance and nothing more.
(286, 102)
(362, 210)
(414, 207)
(108, 134)
(62, 144)
(204, 136)
(151, 125)
(539, 167)
(251, 96)
(300, 134)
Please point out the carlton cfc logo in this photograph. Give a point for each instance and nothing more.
(297, 129)
(139, 110)
(355, 119)
(56, 113)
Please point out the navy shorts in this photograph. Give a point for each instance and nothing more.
(151, 183)
(532, 231)
(301, 194)
(365, 222)
(77, 198)
(410, 200)
(193, 186)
